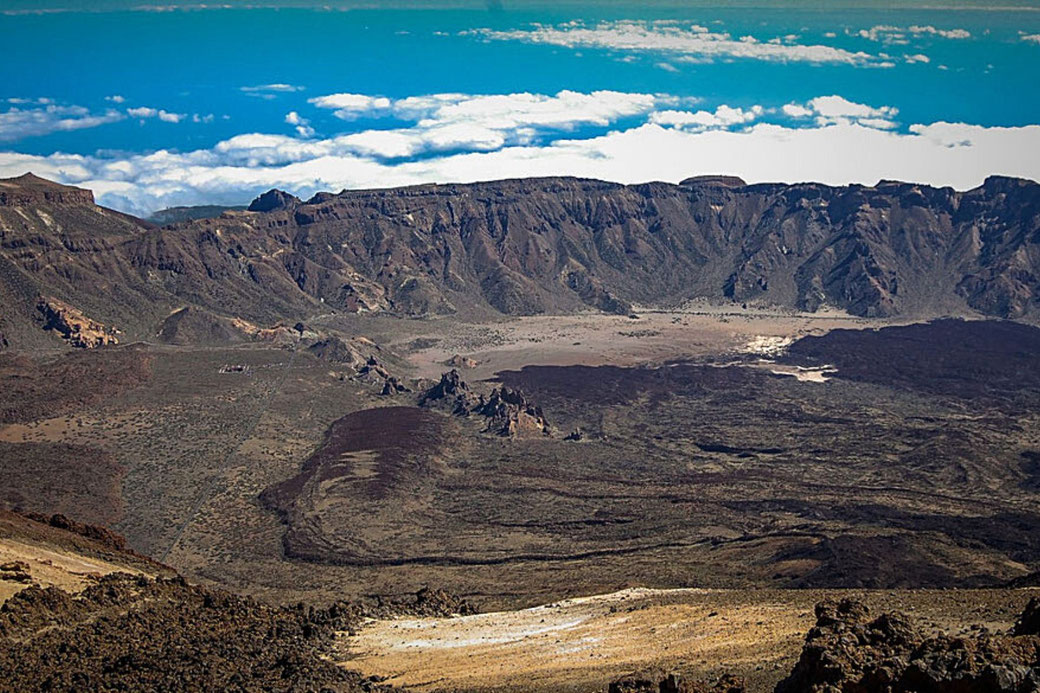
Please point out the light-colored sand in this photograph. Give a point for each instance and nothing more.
(576, 642)
(598, 339)
(50, 567)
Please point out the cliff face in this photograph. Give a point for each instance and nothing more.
(30, 190)
(537, 245)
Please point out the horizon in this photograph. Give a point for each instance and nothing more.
(492, 181)
(211, 106)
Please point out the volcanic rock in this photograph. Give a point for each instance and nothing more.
(28, 190)
(530, 246)
(1029, 622)
(272, 200)
(451, 391)
(510, 414)
(134, 633)
(393, 386)
(74, 327)
(847, 651)
(458, 361)
(507, 411)
(15, 571)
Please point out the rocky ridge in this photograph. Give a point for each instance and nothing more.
(507, 411)
(531, 246)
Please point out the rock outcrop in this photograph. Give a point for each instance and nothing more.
(106, 639)
(510, 414)
(73, 326)
(272, 200)
(849, 651)
(1029, 622)
(507, 411)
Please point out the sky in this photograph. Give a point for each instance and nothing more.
(153, 105)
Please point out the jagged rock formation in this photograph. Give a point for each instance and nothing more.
(74, 327)
(1029, 622)
(847, 650)
(451, 391)
(531, 246)
(510, 414)
(507, 411)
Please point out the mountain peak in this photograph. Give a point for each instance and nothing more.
(272, 200)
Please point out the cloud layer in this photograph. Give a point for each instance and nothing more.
(634, 138)
(691, 42)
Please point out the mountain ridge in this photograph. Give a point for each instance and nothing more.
(529, 246)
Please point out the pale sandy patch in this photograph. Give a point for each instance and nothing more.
(572, 642)
(50, 567)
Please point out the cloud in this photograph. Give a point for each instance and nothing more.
(829, 139)
(352, 106)
(270, 91)
(888, 34)
(115, 98)
(839, 107)
(302, 125)
(441, 122)
(797, 111)
(692, 41)
(723, 117)
(918, 58)
(144, 112)
(18, 123)
(40, 101)
(1033, 38)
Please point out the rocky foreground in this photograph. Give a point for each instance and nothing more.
(852, 651)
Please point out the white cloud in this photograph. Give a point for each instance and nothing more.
(270, 91)
(18, 123)
(692, 41)
(144, 112)
(834, 140)
(944, 33)
(442, 122)
(352, 106)
(302, 125)
(1033, 38)
(667, 67)
(918, 58)
(168, 117)
(886, 33)
(797, 111)
(839, 107)
(40, 101)
(723, 117)
(115, 98)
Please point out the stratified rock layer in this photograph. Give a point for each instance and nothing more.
(531, 246)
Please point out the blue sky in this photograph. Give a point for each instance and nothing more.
(164, 105)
